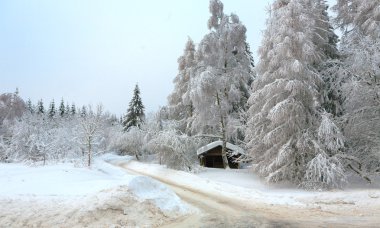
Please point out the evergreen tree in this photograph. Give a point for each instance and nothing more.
(180, 105)
(30, 107)
(40, 107)
(288, 137)
(52, 109)
(135, 113)
(62, 108)
(67, 109)
(73, 109)
(83, 112)
(359, 82)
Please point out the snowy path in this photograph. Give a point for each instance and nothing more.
(223, 205)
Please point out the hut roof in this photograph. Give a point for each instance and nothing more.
(212, 145)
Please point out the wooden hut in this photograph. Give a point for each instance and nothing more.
(211, 155)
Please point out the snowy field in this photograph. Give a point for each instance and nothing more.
(67, 196)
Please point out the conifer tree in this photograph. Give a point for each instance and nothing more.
(180, 106)
(360, 81)
(52, 109)
(83, 112)
(40, 107)
(67, 109)
(135, 113)
(289, 137)
(62, 108)
(73, 109)
(30, 107)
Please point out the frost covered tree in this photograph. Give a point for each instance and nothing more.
(91, 124)
(83, 111)
(180, 106)
(220, 86)
(175, 150)
(40, 107)
(30, 106)
(73, 110)
(135, 113)
(11, 106)
(289, 138)
(360, 80)
(62, 108)
(326, 41)
(67, 109)
(52, 109)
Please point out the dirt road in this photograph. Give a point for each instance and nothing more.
(221, 211)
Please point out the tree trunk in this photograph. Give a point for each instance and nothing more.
(224, 138)
(137, 156)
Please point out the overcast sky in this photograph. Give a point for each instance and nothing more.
(95, 51)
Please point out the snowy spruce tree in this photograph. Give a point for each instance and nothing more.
(220, 85)
(180, 106)
(289, 136)
(62, 108)
(73, 109)
(52, 109)
(360, 81)
(30, 106)
(67, 109)
(135, 113)
(40, 107)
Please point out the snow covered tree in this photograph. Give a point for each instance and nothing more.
(360, 81)
(73, 109)
(135, 113)
(285, 110)
(174, 150)
(220, 86)
(40, 107)
(91, 125)
(52, 109)
(180, 106)
(83, 111)
(11, 106)
(62, 108)
(30, 106)
(67, 109)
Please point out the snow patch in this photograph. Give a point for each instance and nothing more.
(145, 188)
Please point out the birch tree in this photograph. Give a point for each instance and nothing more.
(91, 125)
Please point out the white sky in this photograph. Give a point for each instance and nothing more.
(95, 51)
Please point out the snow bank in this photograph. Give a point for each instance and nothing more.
(100, 188)
(60, 179)
(145, 188)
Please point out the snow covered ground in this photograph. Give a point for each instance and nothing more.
(106, 195)
(356, 206)
(64, 195)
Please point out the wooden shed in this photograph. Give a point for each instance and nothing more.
(211, 155)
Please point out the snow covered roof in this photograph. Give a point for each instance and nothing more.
(212, 145)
